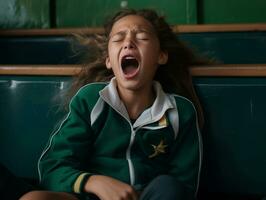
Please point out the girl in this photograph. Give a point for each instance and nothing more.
(135, 136)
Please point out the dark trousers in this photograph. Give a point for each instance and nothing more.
(165, 187)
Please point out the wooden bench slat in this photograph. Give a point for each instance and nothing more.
(232, 70)
(176, 28)
(42, 70)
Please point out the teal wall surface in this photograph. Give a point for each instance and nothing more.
(232, 11)
(92, 13)
(24, 14)
(81, 13)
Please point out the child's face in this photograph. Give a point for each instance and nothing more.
(134, 53)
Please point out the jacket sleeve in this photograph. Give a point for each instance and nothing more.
(61, 166)
(185, 162)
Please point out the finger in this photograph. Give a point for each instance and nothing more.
(128, 193)
(134, 194)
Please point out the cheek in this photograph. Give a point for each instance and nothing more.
(154, 48)
(112, 52)
(152, 53)
(109, 50)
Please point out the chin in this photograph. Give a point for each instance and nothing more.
(132, 85)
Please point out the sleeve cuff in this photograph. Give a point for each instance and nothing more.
(80, 183)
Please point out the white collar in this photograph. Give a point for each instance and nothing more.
(161, 104)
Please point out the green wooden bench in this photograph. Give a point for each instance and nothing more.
(234, 136)
(229, 44)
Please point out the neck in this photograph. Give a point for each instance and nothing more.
(137, 101)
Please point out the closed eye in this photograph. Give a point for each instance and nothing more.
(117, 37)
(142, 36)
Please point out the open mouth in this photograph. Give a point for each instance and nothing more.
(130, 66)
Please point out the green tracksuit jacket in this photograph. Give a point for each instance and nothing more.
(97, 137)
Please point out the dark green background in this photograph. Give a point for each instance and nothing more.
(232, 11)
(24, 14)
(91, 13)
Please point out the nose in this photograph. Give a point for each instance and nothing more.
(129, 42)
(128, 45)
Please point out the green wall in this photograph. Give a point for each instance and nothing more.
(24, 14)
(232, 11)
(91, 13)
(71, 13)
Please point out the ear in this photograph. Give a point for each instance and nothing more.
(107, 62)
(163, 58)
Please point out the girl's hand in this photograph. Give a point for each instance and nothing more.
(107, 188)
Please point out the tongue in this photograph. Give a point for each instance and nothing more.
(130, 70)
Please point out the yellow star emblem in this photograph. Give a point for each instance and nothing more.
(160, 148)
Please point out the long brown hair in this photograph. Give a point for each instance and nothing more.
(174, 76)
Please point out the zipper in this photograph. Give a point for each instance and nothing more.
(132, 176)
(128, 151)
(128, 157)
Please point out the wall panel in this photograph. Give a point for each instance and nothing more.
(24, 14)
(82, 13)
(232, 11)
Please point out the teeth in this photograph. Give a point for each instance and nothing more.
(129, 57)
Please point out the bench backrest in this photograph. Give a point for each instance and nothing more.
(234, 135)
(229, 44)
